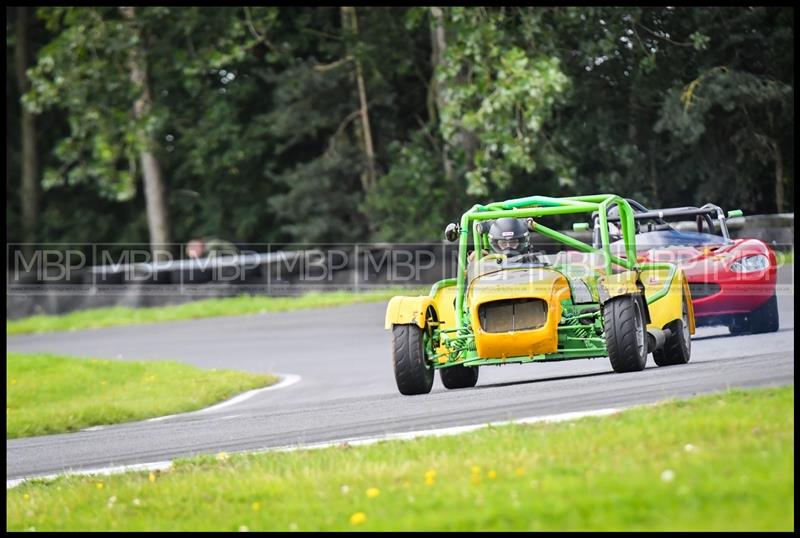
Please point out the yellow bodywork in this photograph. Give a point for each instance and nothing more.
(407, 310)
(669, 307)
(615, 284)
(538, 283)
(546, 284)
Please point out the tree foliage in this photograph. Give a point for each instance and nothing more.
(255, 115)
(83, 72)
(499, 90)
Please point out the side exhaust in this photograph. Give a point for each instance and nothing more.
(656, 338)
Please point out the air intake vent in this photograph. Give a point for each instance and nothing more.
(703, 289)
(513, 315)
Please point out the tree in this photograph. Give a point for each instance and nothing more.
(618, 126)
(69, 215)
(320, 153)
(350, 26)
(436, 93)
(741, 107)
(94, 69)
(29, 192)
(157, 214)
(295, 124)
(497, 91)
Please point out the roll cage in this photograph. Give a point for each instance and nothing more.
(532, 207)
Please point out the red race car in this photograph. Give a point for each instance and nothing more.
(732, 281)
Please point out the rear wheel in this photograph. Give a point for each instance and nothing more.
(459, 377)
(678, 345)
(412, 371)
(624, 329)
(764, 319)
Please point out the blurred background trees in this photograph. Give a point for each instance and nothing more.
(267, 124)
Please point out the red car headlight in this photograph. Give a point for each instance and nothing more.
(750, 263)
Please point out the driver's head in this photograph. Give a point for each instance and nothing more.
(509, 236)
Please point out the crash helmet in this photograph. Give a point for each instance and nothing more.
(509, 236)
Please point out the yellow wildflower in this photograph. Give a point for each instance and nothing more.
(358, 518)
(256, 506)
(430, 476)
(222, 456)
(373, 492)
(519, 471)
(492, 474)
(99, 485)
(152, 477)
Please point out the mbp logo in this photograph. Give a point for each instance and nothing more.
(396, 265)
(132, 265)
(47, 265)
(311, 265)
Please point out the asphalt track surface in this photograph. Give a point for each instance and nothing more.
(347, 388)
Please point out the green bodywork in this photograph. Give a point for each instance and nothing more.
(580, 331)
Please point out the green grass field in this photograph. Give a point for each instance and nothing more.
(718, 462)
(785, 258)
(52, 394)
(229, 306)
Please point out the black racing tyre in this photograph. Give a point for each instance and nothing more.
(678, 345)
(625, 333)
(459, 377)
(764, 319)
(411, 369)
(739, 326)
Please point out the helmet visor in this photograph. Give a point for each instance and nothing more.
(507, 244)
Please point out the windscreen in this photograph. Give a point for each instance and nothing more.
(672, 237)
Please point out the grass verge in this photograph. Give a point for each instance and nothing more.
(53, 394)
(718, 462)
(229, 306)
(784, 257)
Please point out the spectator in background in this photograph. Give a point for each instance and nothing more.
(210, 247)
(195, 248)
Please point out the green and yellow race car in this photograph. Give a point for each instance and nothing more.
(510, 305)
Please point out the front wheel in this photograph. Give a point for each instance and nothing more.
(459, 377)
(738, 326)
(764, 319)
(678, 345)
(412, 372)
(624, 329)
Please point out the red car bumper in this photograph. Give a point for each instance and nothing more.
(729, 292)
